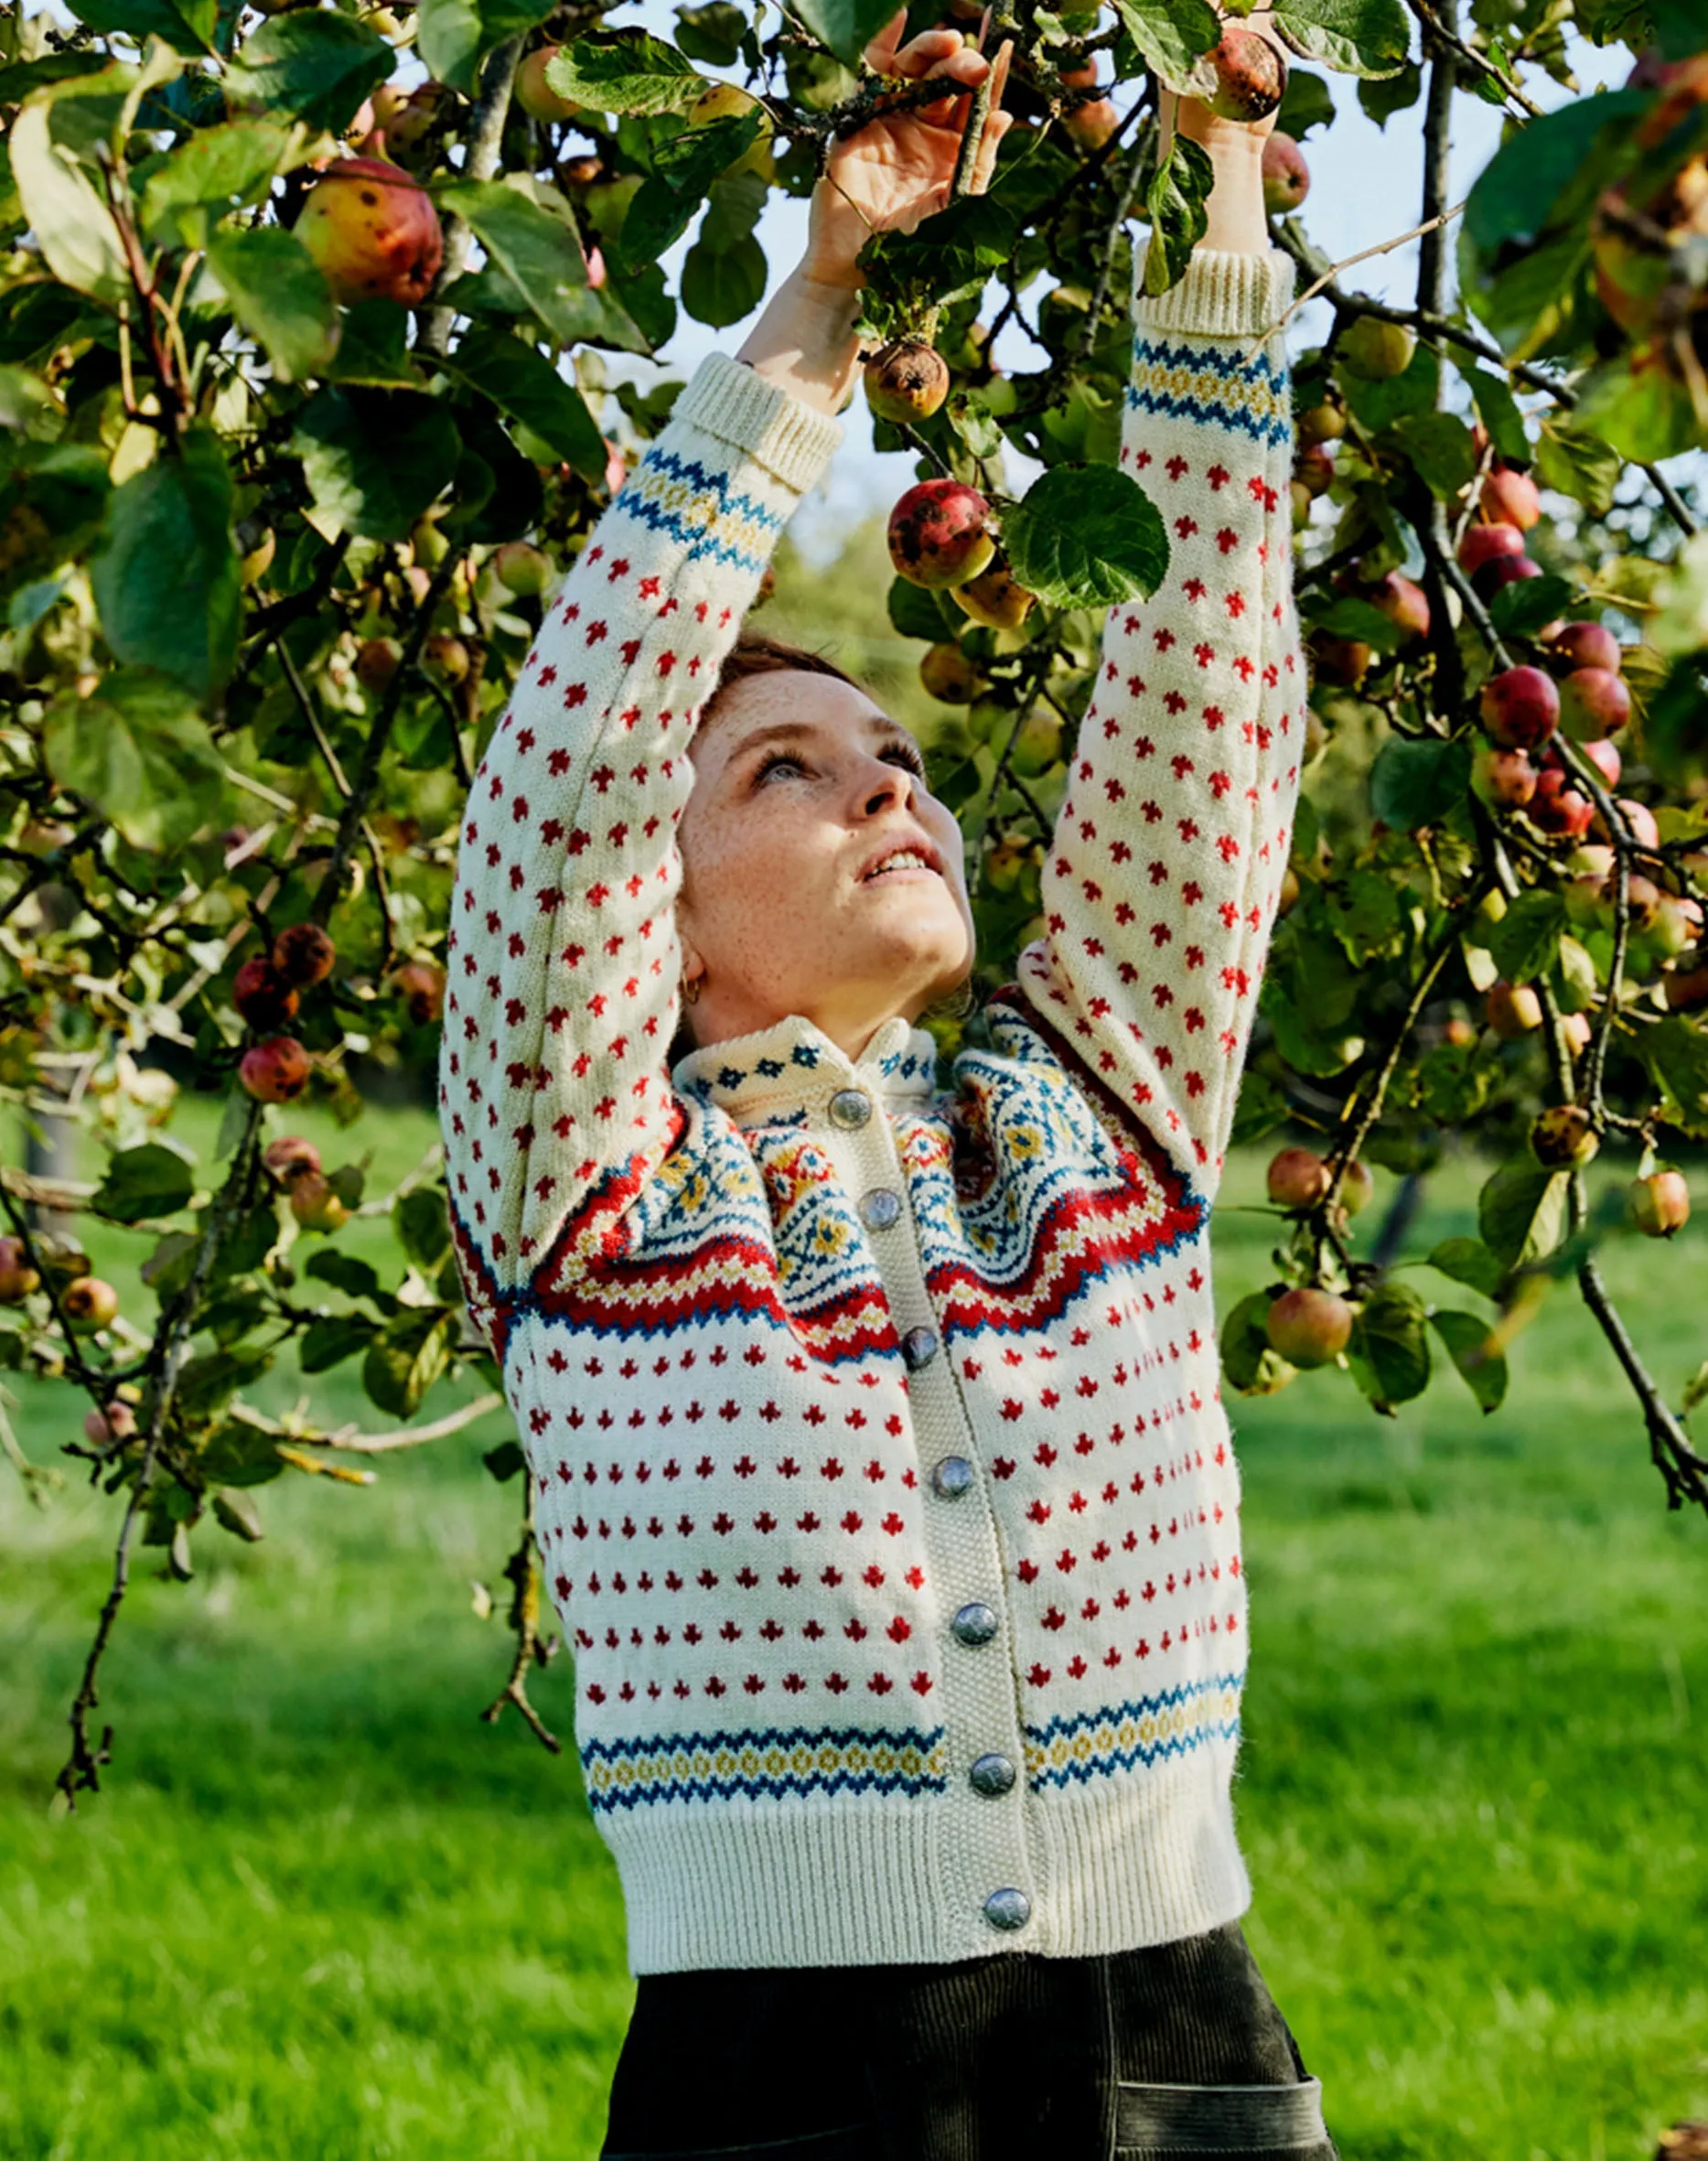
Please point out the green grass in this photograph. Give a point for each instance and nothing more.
(320, 1911)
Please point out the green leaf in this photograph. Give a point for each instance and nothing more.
(186, 26)
(278, 294)
(733, 209)
(1519, 609)
(721, 287)
(1349, 616)
(423, 1227)
(1085, 536)
(1389, 1353)
(403, 1363)
(205, 1383)
(1475, 1354)
(630, 72)
(73, 227)
(1179, 219)
(1521, 1211)
(523, 383)
(1416, 389)
(313, 64)
(371, 349)
(1309, 104)
(505, 1460)
(374, 459)
(975, 423)
(1514, 199)
(1498, 410)
(143, 1183)
(1414, 784)
(1253, 1366)
(1171, 36)
(328, 1341)
(914, 612)
(1527, 938)
(660, 214)
(138, 750)
(1641, 405)
(1468, 1260)
(456, 36)
(536, 251)
(234, 1510)
(1440, 448)
(1575, 463)
(218, 169)
(1675, 1050)
(1353, 37)
(356, 1279)
(712, 33)
(847, 26)
(1381, 97)
(165, 578)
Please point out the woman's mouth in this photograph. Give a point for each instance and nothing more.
(899, 862)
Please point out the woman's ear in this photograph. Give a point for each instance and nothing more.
(693, 977)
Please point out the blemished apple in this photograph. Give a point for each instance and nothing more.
(262, 999)
(290, 1156)
(1286, 175)
(422, 983)
(1505, 779)
(1250, 76)
(1586, 645)
(938, 533)
(1309, 1327)
(316, 1204)
(275, 1072)
(1558, 809)
(995, 597)
(1342, 663)
(1520, 707)
(89, 1303)
(18, 1278)
(906, 380)
(1297, 1179)
(303, 954)
(1564, 1136)
(1660, 1203)
(948, 675)
(373, 231)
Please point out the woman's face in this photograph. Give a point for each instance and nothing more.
(820, 876)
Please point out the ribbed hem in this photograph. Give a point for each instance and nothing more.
(1221, 295)
(790, 438)
(841, 1882)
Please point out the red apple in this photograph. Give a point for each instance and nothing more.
(1286, 176)
(1593, 703)
(1503, 570)
(263, 999)
(938, 533)
(1512, 498)
(303, 954)
(1297, 1179)
(1406, 606)
(1586, 645)
(18, 1278)
(1250, 76)
(1505, 779)
(422, 984)
(1341, 664)
(1685, 983)
(373, 231)
(274, 1071)
(1314, 469)
(1520, 707)
(1309, 1327)
(1660, 1203)
(290, 1156)
(1604, 757)
(116, 1423)
(1558, 809)
(1482, 543)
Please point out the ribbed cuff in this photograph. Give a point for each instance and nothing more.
(1221, 296)
(790, 438)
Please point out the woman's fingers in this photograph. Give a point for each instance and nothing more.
(984, 169)
(881, 52)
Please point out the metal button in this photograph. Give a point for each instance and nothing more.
(918, 1348)
(850, 1107)
(951, 1476)
(973, 1624)
(991, 1775)
(879, 1210)
(1008, 1909)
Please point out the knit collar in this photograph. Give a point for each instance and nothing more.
(787, 1074)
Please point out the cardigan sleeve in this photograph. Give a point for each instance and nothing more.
(1162, 879)
(562, 957)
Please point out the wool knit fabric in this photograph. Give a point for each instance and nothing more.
(876, 1425)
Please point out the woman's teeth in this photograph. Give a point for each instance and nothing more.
(904, 859)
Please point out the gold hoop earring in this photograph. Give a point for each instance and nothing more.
(691, 991)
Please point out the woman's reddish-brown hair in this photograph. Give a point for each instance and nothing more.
(757, 653)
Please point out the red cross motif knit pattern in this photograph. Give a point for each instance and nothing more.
(883, 1479)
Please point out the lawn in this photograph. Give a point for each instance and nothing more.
(319, 1909)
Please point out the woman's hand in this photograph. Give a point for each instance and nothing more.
(900, 166)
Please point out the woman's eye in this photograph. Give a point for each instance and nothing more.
(779, 762)
(906, 757)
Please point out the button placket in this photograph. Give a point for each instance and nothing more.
(991, 1869)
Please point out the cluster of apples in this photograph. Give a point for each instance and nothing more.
(1308, 1325)
(88, 1301)
(295, 1163)
(267, 991)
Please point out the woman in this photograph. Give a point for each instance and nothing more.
(883, 1483)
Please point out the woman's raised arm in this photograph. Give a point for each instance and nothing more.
(1165, 865)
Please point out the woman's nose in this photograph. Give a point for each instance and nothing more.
(885, 787)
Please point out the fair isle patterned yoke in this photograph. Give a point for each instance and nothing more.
(882, 1478)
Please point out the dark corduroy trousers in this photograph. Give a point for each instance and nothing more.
(1141, 2055)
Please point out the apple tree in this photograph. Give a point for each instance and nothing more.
(304, 313)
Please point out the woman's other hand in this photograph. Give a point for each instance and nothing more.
(898, 168)
(1238, 221)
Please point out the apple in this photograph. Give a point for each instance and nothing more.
(1482, 543)
(1678, 924)
(1558, 809)
(1297, 1179)
(1406, 606)
(1503, 570)
(1358, 1188)
(1325, 423)
(89, 1304)
(402, 122)
(1586, 645)
(447, 657)
(18, 1278)
(303, 954)
(116, 1423)
(1092, 124)
(1339, 662)
(906, 380)
(316, 1204)
(522, 568)
(1505, 779)
(723, 101)
(534, 94)
(948, 675)
(422, 984)
(1640, 822)
(995, 597)
(1314, 469)
(1375, 349)
(1660, 1203)
(290, 1156)
(275, 1072)
(1250, 76)
(1520, 707)
(1286, 175)
(1574, 1032)
(938, 533)
(1512, 498)
(1036, 744)
(1513, 1009)
(263, 999)
(1563, 1137)
(1309, 1327)
(373, 231)
(1593, 703)
(1605, 757)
